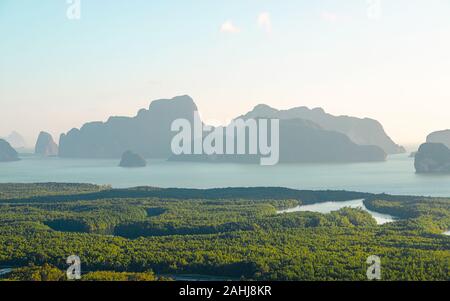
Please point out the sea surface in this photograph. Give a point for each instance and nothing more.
(328, 207)
(395, 176)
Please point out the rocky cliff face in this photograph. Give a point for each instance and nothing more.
(440, 137)
(130, 159)
(7, 153)
(302, 141)
(45, 146)
(432, 158)
(361, 131)
(148, 133)
(305, 143)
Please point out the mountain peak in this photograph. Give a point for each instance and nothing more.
(45, 145)
(7, 153)
(184, 101)
(319, 110)
(261, 111)
(440, 137)
(360, 131)
(264, 107)
(15, 140)
(148, 133)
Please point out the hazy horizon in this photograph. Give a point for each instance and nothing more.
(57, 74)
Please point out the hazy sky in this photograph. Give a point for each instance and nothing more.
(57, 73)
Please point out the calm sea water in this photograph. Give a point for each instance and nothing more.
(328, 207)
(396, 176)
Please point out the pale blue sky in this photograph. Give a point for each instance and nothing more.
(56, 74)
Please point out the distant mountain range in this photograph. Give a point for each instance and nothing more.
(305, 135)
(302, 141)
(361, 131)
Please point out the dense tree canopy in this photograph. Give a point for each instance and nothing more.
(136, 237)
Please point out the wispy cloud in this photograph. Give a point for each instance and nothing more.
(229, 27)
(265, 21)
